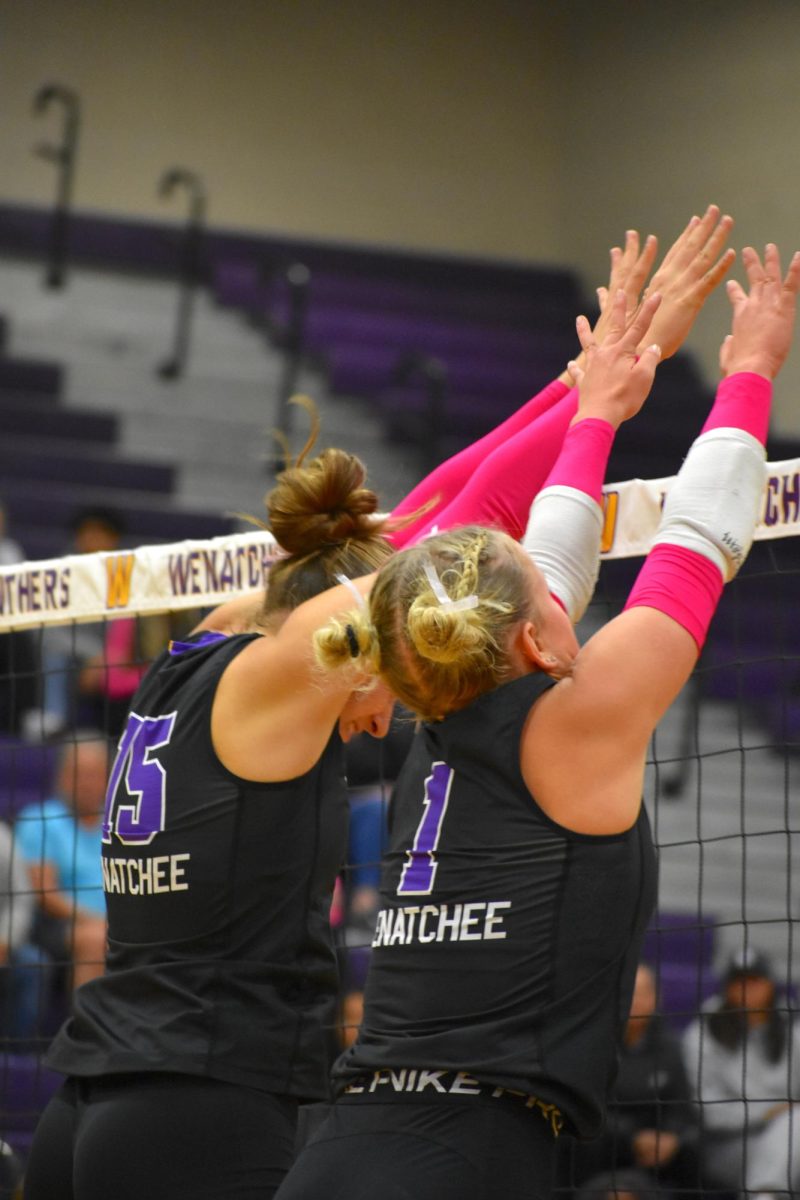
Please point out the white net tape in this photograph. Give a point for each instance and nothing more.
(195, 574)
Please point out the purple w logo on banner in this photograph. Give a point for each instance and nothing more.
(419, 872)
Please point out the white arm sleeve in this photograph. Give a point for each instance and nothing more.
(563, 539)
(714, 505)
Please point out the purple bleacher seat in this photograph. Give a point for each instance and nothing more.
(41, 543)
(143, 244)
(240, 284)
(146, 517)
(680, 948)
(747, 682)
(406, 411)
(365, 370)
(781, 716)
(28, 416)
(14, 799)
(30, 375)
(40, 516)
(25, 1088)
(501, 300)
(29, 458)
(431, 333)
(684, 938)
(26, 774)
(683, 989)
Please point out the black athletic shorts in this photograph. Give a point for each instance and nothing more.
(436, 1148)
(160, 1137)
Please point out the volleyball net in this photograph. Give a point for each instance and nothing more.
(76, 634)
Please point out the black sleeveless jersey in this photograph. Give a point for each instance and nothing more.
(218, 890)
(506, 946)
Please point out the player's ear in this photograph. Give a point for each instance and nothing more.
(530, 645)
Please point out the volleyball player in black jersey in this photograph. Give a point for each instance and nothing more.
(521, 873)
(224, 829)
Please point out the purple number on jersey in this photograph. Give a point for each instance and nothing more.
(138, 823)
(420, 870)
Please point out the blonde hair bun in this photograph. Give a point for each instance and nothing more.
(444, 635)
(335, 642)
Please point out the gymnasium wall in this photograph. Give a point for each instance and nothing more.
(511, 129)
(401, 123)
(676, 104)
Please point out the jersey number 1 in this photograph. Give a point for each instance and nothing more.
(420, 870)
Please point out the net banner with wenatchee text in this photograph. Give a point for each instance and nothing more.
(196, 574)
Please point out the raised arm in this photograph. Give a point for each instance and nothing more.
(601, 718)
(274, 710)
(566, 518)
(492, 481)
(692, 268)
(565, 522)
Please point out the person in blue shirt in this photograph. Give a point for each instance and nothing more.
(60, 841)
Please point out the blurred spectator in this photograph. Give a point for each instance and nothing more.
(11, 1173)
(67, 649)
(96, 529)
(24, 974)
(651, 1125)
(91, 670)
(372, 766)
(743, 1061)
(18, 684)
(379, 760)
(10, 551)
(60, 841)
(626, 1184)
(351, 995)
(109, 673)
(366, 843)
(353, 963)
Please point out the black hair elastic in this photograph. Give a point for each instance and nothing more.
(352, 641)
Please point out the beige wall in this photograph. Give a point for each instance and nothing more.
(401, 122)
(509, 128)
(681, 103)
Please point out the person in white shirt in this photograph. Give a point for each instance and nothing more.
(743, 1061)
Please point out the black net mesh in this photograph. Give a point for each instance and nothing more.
(703, 1099)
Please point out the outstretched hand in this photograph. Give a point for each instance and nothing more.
(614, 385)
(629, 270)
(763, 320)
(692, 267)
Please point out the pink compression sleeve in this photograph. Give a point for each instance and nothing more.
(584, 457)
(447, 480)
(742, 402)
(678, 581)
(681, 583)
(502, 486)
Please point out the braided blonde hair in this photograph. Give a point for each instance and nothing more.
(437, 657)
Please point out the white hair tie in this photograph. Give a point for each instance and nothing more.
(441, 595)
(348, 583)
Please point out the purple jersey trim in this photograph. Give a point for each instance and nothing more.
(205, 639)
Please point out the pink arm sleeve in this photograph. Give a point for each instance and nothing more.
(675, 580)
(682, 584)
(448, 479)
(742, 402)
(501, 487)
(583, 459)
